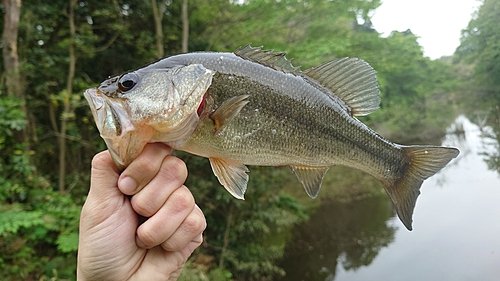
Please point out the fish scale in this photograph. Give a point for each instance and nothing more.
(253, 107)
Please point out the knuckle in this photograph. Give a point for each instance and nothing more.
(181, 200)
(194, 224)
(100, 160)
(147, 236)
(147, 167)
(171, 246)
(142, 206)
(176, 168)
(191, 224)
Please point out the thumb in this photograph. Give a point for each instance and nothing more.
(104, 190)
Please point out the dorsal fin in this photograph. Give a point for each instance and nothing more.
(352, 80)
(269, 58)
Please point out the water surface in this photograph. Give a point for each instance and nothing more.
(456, 226)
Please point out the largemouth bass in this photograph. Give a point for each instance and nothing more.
(252, 107)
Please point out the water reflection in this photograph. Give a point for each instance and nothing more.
(456, 226)
(350, 233)
(491, 137)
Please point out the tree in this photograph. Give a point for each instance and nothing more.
(67, 111)
(480, 46)
(310, 31)
(185, 26)
(13, 80)
(158, 12)
(67, 46)
(9, 48)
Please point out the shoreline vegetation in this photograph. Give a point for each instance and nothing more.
(53, 51)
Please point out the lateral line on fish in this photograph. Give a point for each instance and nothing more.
(197, 103)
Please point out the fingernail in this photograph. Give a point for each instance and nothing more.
(127, 185)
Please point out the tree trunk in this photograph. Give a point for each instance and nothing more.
(9, 50)
(185, 26)
(13, 81)
(67, 97)
(225, 245)
(158, 16)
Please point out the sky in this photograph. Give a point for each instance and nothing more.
(438, 23)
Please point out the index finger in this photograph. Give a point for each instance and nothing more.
(143, 169)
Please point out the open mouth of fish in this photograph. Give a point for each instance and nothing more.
(113, 121)
(127, 119)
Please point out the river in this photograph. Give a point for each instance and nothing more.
(456, 226)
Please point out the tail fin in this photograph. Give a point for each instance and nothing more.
(422, 162)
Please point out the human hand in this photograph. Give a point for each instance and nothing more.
(113, 244)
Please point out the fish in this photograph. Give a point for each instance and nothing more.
(253, 107)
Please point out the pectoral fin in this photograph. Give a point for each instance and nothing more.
(227, 111)
(310, 177)
(233, 176)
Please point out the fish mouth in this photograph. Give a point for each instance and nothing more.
(114, 124)
(95, 101)
(111, 115)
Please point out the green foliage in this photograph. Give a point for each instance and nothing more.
(195, 272)
(244, 239)
(414, 91)
(12, 118)
(312, 31)
(317, 31)
(480, 46)
(34, 220)
(477, 60)
(28, 237)
(14, 219)
(15, 168)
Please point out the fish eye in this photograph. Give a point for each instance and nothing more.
(127, 81)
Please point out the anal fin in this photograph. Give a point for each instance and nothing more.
(233, 176)
(310, 177)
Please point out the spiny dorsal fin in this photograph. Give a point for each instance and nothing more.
(269, 58)
(352, 80)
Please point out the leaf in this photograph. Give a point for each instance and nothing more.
(67, 242)
(12, 220)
